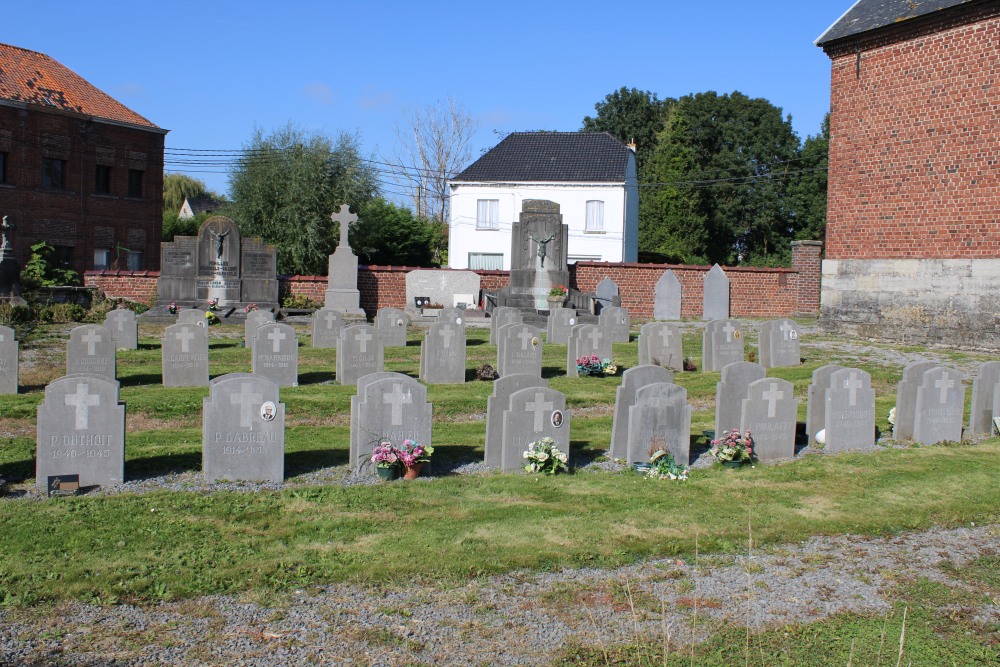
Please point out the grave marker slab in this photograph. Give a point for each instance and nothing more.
(586, 339)
(388, 406)
(940, 406)
(501, 316)
(660, 414)
(769, 414)
(849, 416)
(660, 344)
(778, 344)
(606, 295)
(359, 353)
(519, 350)
(559, 324)
(632, 380)
(723, 344)
(326, 326)
(496, 405)
(276, 354)
(91, 350)
(255, 319)
(124, 329)
(984, 390)
(667, 297)
(8, 361)
(442, 354)
(191, 316)
(392, 325)
(452, 314)
(816, 400)
(731, 390)
(81, 431)
(715, 302)
(441, 286)
(615, 321)
(906, 399)
(531, 416)
(243, 432)
(184, 350)
(342, 292)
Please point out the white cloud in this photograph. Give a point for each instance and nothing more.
(322, 93)
(373, 98)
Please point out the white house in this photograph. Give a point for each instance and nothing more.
(591, 175)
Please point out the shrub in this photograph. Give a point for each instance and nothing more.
(300, 301)
(15, 314)
(61, 313)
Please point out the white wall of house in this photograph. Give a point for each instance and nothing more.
(483, 240)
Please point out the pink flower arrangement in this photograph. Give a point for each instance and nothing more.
(384, 456)
(250, 308)
(387, 455)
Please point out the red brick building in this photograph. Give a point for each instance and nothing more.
(77, 168)
(913, 222)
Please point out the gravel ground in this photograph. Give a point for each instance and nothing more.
(517, 619)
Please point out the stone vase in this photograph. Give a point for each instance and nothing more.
(556, 302)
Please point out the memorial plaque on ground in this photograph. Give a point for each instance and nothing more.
(730, 392)
(501, 316)
(91, 350)
(660, 344)
(243, 432)
(192, 316)
(519, 350)
(389, 407)
(255, 318)
(984, 389)
(615, 322)
(442, 354)
(589, 340)
(8, 361)
(606, 296)
(496, 405)
(632, 380)
(850, 411)
(940, 406)
(359, 352)
(441, 286)
(778, 344)
(184, 349)
(769, 414)
(123, 327)
(906, 399)
(660, 416)
(722, 344)
(81, 431)
(276, 354)
(667, 297)
(326, 326)
(715, 300)
(392, 324)
(559, 324)
(816, 400)
(532, 414)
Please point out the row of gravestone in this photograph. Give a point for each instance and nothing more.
(667, 295)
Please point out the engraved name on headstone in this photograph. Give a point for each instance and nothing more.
(559, 324)
(276, 354)
(769, 414)
(392, 324)
(586, 340)
(519, 350)
(632, 380)
(730, 392)
(940, 406)
(326, 326)
(722, 344)
(243, 432)
(616, 323)
(122, 324)
(660, 344)
(388, 407)
(660, 416)
(529, 417)
(849, 417)
(442, 354)
(359, 353)
(496, 405)
(184, 349)
(91, 350)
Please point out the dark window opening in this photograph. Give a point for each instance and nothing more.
(62, 256)
(102, 180)
(53, 174)
(3, 167)
(135, 182)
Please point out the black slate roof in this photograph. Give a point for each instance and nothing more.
(867, 15)
(551, 156)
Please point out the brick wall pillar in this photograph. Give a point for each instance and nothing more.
(807, 260)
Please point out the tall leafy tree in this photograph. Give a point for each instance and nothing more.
(630, 114)
(176, 188)
(389, 234)
(286, 185)
(808, 186)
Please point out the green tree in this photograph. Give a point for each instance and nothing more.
(631, 114)
(285, 187)
(388, 234)
(177, 187)
(807, 189)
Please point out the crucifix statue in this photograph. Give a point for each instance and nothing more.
(542, 247)
(219, 241)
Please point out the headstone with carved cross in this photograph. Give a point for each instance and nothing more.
(185, 355)
(849, 415)
(388, 407)
(276, 354)
(326, 326)
(91, 350)
(8, 361)
(660, 344)
(778, 344)
(496, 405)
(984, 392)
(81, 431)
(769, 412)
(586, 340)
(906, 399)
(519, 350)
(816, 400)
(940, 406)
(559, 325)
(255, 318)
(342, 292)
(533, 413)
(722, 344)
(616, 323)
(359, 353)
(243, 432)
(734, 383)
(122, 324)
(659, 419)
(392, 324)
(632, 381)
(442, 354)
(501, 316)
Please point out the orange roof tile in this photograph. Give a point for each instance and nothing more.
(35, 78)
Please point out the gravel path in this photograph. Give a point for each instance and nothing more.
(503, 620)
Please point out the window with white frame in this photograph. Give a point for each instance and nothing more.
(488, 214)
(485, 261)
(595, 216)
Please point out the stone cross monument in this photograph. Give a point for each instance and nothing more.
(342, 292)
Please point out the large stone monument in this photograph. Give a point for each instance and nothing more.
(218, 264)
(538, 255)
(342, 292)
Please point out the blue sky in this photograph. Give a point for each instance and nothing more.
(211, 72)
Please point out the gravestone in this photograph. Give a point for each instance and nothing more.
(940, 406)
(496, 404)
(255, 319)
(392, 324)
(519, 350)
(8, 361)
(816, 400)
(532, 414)
(615, 322)
(660, 344)
(184, 349)
(501, 316)
(559, 324)
(586, 340)
(984, 391)
(192, 316)
(769, 414)
(243, 431)
(359, 353)
(722, 344)
(452, 314)
(660, 415)
(906, 399)
(539, 243)
(388, 406)
(715, 300)
(219, 261)
(178, 281)
(731, 390)
(850, 411)
(123, 327)
(258, 273)
(91, 350)
(442, 285)
(606, 296)
(778, 344)
(442, 354)
(342, 292)
(667, 297)
(81, 431)
(276, 354)
(326, 326)
(632, 380)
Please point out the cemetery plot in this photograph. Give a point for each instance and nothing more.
(388, 406)
(392, 324)
(243, 433)
(442, 354)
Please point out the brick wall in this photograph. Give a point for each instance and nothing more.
(134, 285)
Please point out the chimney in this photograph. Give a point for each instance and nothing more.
(631, 145)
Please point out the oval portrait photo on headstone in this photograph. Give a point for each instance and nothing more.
(793, 334)
(557, 418)
(267, 411)
(737, 335)
(535, 341)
